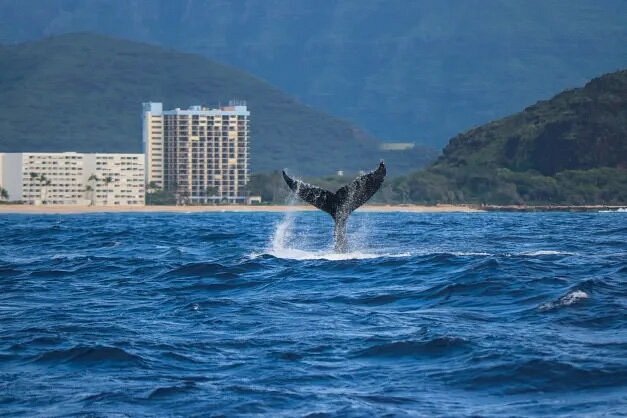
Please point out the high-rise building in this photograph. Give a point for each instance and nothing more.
(70, 178)
(199, 154)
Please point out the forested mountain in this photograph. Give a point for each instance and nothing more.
(571, 149)
(403, 70)
(83, 92)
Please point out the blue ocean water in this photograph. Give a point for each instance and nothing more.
(486, 314)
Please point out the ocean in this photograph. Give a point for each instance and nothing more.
(242, 314)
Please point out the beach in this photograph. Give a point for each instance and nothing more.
(74, 209)
(440, 208)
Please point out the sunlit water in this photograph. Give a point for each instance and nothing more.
(252, 313)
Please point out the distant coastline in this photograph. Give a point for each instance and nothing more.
(30, 209)
(551, 208)
(67, 209)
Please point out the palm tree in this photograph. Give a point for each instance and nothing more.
(43, 185)
(211, 192)
(91, 187)
(107, 180)
(45, 190)
(151, 188)
(4, 195)
(89, 191)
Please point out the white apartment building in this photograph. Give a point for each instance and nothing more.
(116, 179)
(199, 154)
(71, 178)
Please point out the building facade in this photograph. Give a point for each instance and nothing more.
(200, 155)
(71, 178)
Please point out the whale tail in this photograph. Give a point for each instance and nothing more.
(341, 203)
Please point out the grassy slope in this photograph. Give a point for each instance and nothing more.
(570, 149)
(578, 129)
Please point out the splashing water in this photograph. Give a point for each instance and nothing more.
(283, 233)
(290, 243)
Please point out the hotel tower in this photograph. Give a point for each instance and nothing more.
(198, 154)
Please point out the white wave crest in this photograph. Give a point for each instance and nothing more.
(295, 254)
(573, 297)
(469, 254)
(566, 300)
(619, 210)
(544, 252)
(303, 255)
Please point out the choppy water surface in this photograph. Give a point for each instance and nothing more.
(238, 313)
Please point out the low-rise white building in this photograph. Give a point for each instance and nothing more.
(118, 178)
(71, 178)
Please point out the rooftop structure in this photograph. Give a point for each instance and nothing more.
(397, 146)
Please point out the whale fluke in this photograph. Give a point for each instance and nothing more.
(341, 203)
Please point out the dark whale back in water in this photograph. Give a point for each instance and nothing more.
(341, 203)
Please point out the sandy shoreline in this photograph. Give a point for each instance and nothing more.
(443, 208)
(29, 209)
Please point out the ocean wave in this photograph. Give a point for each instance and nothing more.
(168, 391)
(533, 375)
(214, 285)
(50, 273)
(451, 253)
(545, 252)
(204, 270)
(295, 254)
(96, 355)
(121, 396)
(470, 254)
(436, 346)
(10, 272)
(375, 299)
(216, 236)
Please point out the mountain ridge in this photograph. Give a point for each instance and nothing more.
(83, 92)
(418, 71)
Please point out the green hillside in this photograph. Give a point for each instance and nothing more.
(83, 92)
(571, 149)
